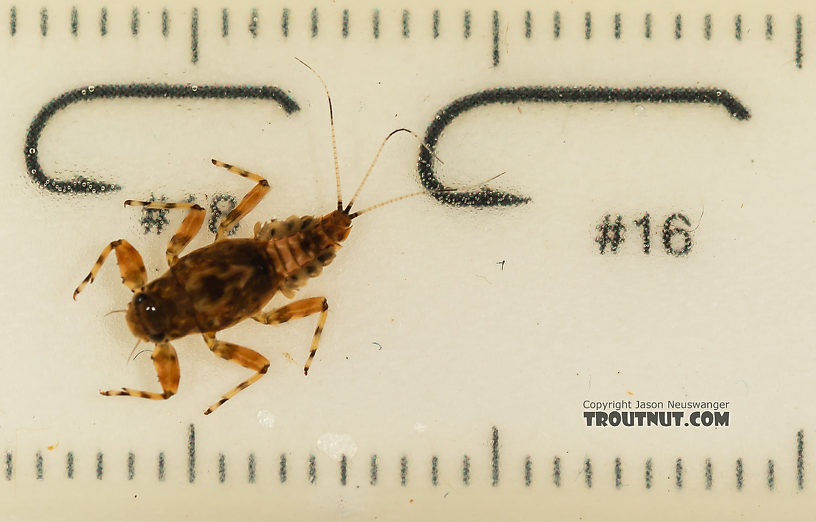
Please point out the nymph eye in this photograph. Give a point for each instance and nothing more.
(139, 298)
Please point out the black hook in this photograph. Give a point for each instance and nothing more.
(81, 184)
(486, 197)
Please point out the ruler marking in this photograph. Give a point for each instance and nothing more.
(738, 27)
(406, 23)
(251, 468)
(707, 27)
(44, 21)
(647, 25)
(528, 24)
(165, 23)
(314, 22)
(678, 473)
(253, 22)
(798, 37)
(345, 26)
(194, 36)
(769, 27)
(191, 454)
(678, 27)
(587, 25)
(435, 23)
(9, 465)
(375, 23)
(74, 21)
(99, 465)
(285, 22)
(528, 471)
(800, 460)
(222, 468)
(495, 38)
(103, 21)
(494, 460)
(709, 477)
(739, 472)
(528, 467)
(617, 26)
(69, 465)
(466, 24)
(38, 465)
(770, 474)
(312, 469)
(131, 465)
(224, 22)
(13, 20)
(161, 467)
(134, 22)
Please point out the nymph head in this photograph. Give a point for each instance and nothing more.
(337, 225)
(146, 317)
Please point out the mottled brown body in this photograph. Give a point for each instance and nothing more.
(224, 283)
(220, 285)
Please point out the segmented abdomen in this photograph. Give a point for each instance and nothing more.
(299, 248)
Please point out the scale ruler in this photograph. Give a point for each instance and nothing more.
(617, 326)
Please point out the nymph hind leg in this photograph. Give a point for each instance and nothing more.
(165, 361)
(237, 354)
(252, 198)
(188, 229)
(131, 266)
(302, 308)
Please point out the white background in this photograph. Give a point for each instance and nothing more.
(466, 343)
